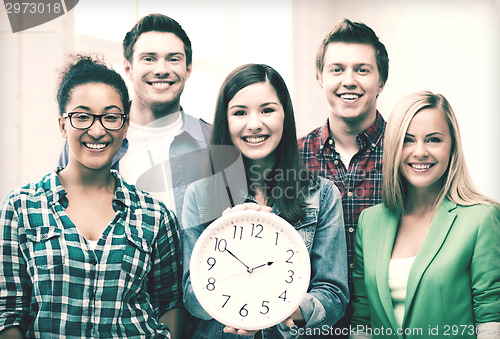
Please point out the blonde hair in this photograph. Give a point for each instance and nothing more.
(458, 186)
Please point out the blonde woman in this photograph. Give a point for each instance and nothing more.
(427, 260)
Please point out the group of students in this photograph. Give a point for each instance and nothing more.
(397, 234)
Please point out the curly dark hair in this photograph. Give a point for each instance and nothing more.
(84, 69)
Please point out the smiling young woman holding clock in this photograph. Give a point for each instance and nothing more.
(249, 264)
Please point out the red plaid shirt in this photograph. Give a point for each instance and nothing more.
(361, 184)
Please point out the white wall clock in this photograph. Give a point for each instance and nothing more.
(250, 270)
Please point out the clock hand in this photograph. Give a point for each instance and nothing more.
(231, 276)
(269, 263)
(248, 268)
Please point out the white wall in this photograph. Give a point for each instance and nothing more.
(29, 133)
(451, 47)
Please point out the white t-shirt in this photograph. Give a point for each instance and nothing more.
(399, 271)
(92, 243)
(147, 157)
(344, 157)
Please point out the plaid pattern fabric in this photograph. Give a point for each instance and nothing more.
(53, 286)
(360, 185)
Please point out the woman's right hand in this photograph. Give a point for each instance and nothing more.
(288, 322)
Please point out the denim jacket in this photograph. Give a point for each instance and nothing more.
(322, 230)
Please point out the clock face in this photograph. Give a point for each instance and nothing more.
(250, 270)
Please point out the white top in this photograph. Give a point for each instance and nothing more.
(92, 243)
(399, 270)
(148, 154)
(344, 157)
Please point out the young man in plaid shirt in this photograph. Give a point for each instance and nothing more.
(352, 68)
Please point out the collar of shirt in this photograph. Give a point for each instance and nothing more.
(192, 127)
(55, 191)
(370, 137)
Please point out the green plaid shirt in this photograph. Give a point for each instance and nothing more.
(53, 285)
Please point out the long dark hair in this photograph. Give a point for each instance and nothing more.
(288, 182)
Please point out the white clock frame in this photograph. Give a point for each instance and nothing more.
(250, 269)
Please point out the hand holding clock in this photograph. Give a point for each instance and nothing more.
(247, 206)
(288, 322)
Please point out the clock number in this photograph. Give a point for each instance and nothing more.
(276, 242)
(283, 296)
(225, 302)
(211, 262)
(288, 260)
(220, 245)
(211, 284)
(259, 228)
(264, 306)
(243, 311)
(235, 233)
(291, 277)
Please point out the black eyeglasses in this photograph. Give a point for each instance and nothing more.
(84, 120)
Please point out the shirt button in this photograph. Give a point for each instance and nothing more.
(373, 145)
(330, 142)
(336, 162)
(104, 236)
(351, 229)
(349, 194)
(351, 265)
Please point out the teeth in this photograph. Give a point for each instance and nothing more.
(255, 140)
(95, 146)
(349, 96)
(160, 85)
(421, 167)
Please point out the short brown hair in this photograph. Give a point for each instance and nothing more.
(156, 23)
(355, 33)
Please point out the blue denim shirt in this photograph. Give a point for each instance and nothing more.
(322, 230)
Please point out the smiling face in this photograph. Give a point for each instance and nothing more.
(351, 82)
(426, 151)
(255, 120)
(158, 70)
(94, 147)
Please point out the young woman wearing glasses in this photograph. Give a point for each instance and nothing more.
(84, 254)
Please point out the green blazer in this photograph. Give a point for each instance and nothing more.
(454, 282)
